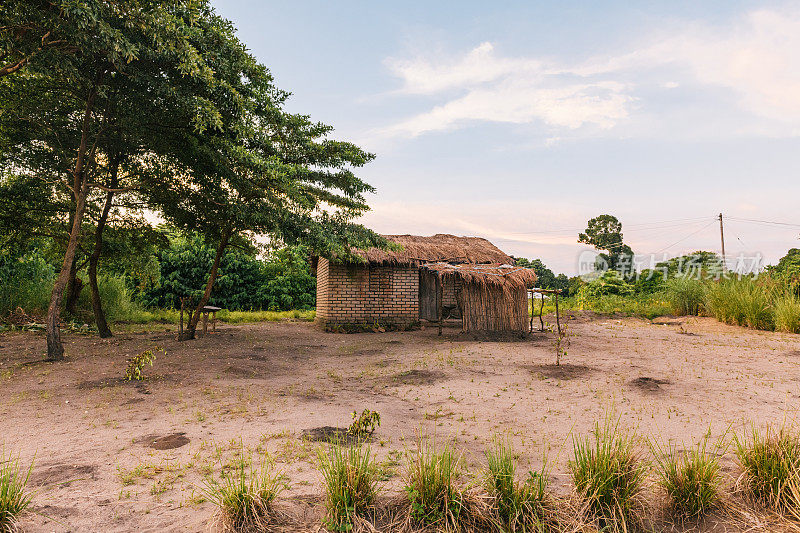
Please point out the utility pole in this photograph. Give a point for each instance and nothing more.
(722, 240)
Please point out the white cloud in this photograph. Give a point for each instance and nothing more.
(756, 59)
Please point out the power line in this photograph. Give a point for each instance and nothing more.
(636, 227)
(683, 239)
(754, 221)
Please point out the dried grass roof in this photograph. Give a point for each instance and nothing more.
(441, 247)
(494, 274)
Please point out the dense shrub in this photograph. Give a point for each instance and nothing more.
(280, 283)
(610, 282)
(25, 281)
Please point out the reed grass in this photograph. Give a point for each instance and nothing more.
(770, 460)
(244, 494)
(691, 477)
(787, 313)
(520, 506)
(430, 485)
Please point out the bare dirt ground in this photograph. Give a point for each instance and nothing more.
(117, 456)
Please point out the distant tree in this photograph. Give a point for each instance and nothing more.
(605, 233)
(546, 279)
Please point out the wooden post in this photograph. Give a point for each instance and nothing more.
(440, 302)
(205, 323)
(541, 312)
(533, 302)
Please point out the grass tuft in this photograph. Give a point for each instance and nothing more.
(351, 477)
(608, 475)
(691, 478)
(520, 506)
(430, 485)
(14, 498)
(244, 494)
(770, 462)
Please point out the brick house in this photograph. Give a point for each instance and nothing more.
(400, 288)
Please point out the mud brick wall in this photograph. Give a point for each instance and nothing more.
(357, 294)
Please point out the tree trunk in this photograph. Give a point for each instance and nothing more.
(94, 259)
(55, 349)
(194, 318)
(74, 288)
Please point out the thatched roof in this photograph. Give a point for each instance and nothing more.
(504, 275)
(441, 247)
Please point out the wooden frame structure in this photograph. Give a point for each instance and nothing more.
(555, 292)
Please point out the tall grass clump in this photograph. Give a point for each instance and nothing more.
(351, 484)
(743, 302)
(520, 506)
(691, 478)
(609, 475)
(787, 313)
(244, 494)
(118, 302)
(685, 295)
(430, 485)
(14, 498)
(770, 462)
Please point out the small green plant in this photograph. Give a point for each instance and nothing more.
(430, 485)
(14, 498)
(137, 363)
(520, 506)
(364, 424)
(351, 484)
(690, 477)
(771, 464)
(244, 494)
(561, 342)
(608, 475)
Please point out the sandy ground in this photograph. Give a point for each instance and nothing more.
(117, 456)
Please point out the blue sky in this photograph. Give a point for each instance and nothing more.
(519, 121)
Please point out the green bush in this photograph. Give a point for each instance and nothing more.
(26, 281)
(608, 475)
(685, 295)
(610, 282)
(281, 282)
(350, 475)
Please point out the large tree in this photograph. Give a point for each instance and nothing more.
(605, 233)
(58, 118)
(260, 170)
